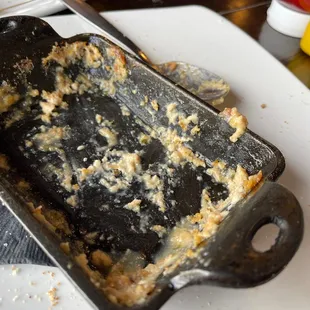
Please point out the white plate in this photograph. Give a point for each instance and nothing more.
(27, 289)
(199, 36)
(30, 7)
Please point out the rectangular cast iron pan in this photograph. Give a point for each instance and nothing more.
(228, 259)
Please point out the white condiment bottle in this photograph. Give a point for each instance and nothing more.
(287, 18)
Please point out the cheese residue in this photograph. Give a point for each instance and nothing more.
(132, 287)
(119, 65)
(236, 120)
(71, 53)
(8, 97)
(155, 105)
(238, 182)
(98, 118)
(125, 111)
(160, 230)
(111, 136)
(134, 205)
(63, 86)
(101, 259)
(176, 117)
(144, 138)
(195, 130)
(144, 101)
(72, 200)
(52, 294)
(116, 170)
(53, 220)
(24, 66)
(49, 139)
(178, 152)
(156, 187)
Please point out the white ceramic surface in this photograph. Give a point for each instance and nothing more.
(30, 7)
(28, 289)
(199, 36)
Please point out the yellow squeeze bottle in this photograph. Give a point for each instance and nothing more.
(305, 41)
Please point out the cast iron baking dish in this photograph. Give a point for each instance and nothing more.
(227, 259)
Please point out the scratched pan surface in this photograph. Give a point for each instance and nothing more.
(228, 260)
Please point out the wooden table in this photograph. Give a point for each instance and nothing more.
(249, 15)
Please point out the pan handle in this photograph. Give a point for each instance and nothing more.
(230, 259)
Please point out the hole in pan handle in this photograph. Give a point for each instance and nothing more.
(26, 29)
(230, 259)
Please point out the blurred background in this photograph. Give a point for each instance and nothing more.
(249, 15)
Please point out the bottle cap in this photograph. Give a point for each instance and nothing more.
(287, 19)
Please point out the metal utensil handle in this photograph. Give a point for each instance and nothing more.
(236, 263)
(89, 14)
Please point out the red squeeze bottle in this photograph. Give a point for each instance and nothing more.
(293, 2)
(305, 4)
(300, 4)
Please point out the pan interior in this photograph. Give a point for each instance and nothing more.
(100, 158)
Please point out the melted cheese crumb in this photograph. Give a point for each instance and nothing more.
(178, 152)
(50, 138)
(69, 54)
(176, 117)
(238, 182)
(110, 136)
(160, 230)
(117, 169)
(144, 139)
(65, 247)
(72, 200)
(236, 121)
(144, 101)
(134, 205)
(155, 105)
(8, 97)
(98, 118)
(124, 110)
(63, 86)
(52, 295)
(119, 65)
(172, 113)
(195, 130)
(33, 92)
(155, 186)
(101, 259)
